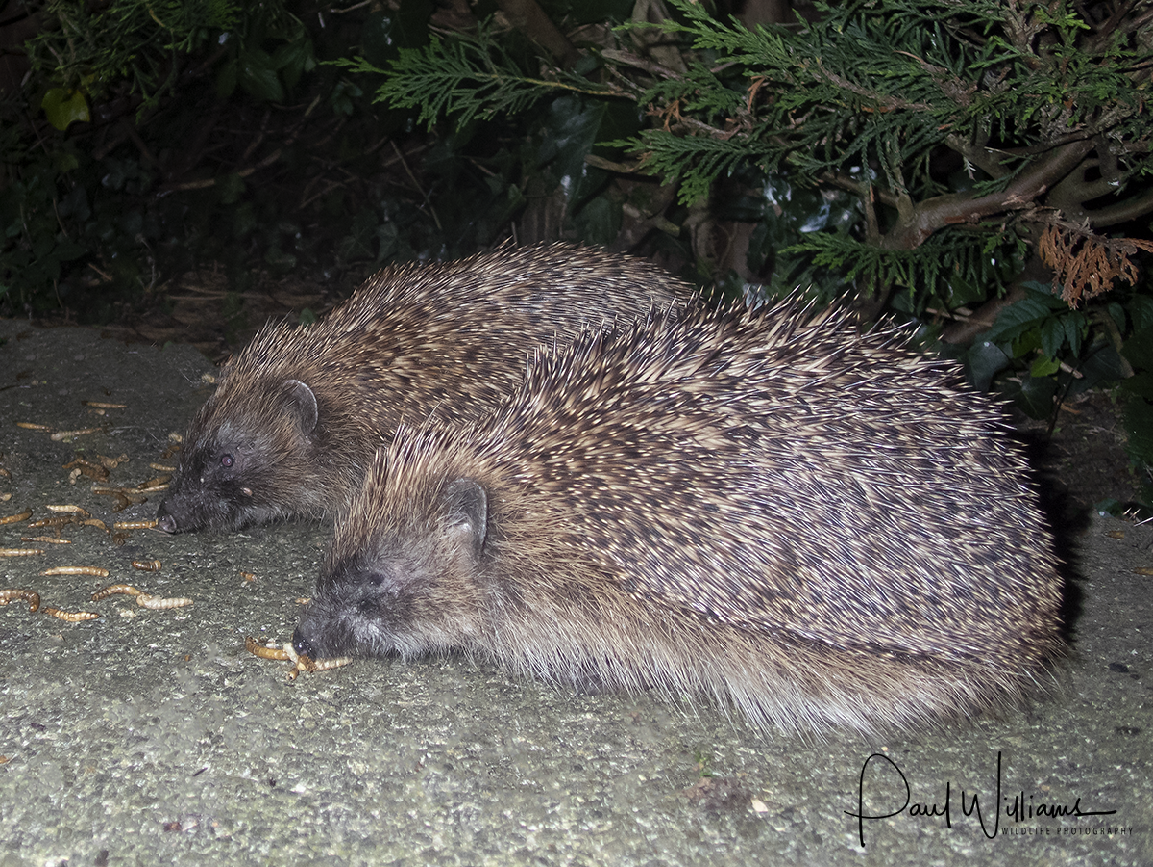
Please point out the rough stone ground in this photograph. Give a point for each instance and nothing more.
(146, 737)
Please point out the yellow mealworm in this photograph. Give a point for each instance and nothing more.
(146, 565)
(70, 616)
(67, 434)
(93, 471)
(5, 472)
(160, 602)
(28, 425)
(248, 576)
(114, 588)
(135, 525)
(257, 649)
(77, 462)
(58, 521)
(164, 468)
(125, 497)
(326, 664)
(47, 539)
(71, 510)
(19, 516)
(97, 571)
(305, 663)
(97, 405)
(20, 552)
(29, 596)
(94, 522)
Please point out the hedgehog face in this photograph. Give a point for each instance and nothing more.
(212, 489)
(406, 591)
(237, 472)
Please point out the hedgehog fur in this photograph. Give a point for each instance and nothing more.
(298, 414)
(816, 525)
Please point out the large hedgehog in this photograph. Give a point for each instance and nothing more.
(297, 415)
(815, 525)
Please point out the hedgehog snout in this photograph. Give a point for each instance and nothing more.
(302, 645)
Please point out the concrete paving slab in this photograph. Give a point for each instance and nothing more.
(149, 737)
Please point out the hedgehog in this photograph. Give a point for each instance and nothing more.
(299, 413)
(766, 509)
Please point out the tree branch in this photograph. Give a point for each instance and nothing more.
(1028, 186)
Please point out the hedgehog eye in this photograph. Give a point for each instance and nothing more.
(226, 460)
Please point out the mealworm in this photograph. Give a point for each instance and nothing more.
(5, 472)
(29, 596)
(326, 664)
(164, 468)
(111, 463)
(257, 649)
(97, 405)
(58, 521)
(28, 425)
(94, 522)
(98, 571)
(77, 462)
(135, 525)
(146, 565)
(248, 576)
(93, 471)
(306, 663)
(114, 588)
(70, 616)
(67, 434)
(47, 539)
(72, 510)
(19, 516)
(20, 552)
(160, 602)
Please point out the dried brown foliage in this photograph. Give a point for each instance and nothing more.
(1086, 264)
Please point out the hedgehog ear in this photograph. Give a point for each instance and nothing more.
(302, 404)
(466, 511)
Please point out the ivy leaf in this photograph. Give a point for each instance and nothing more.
(64, 106)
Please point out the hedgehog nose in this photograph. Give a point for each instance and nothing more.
(167, 523)
(302, 645)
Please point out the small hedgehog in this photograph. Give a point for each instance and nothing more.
(297, 416)
(815, 525)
